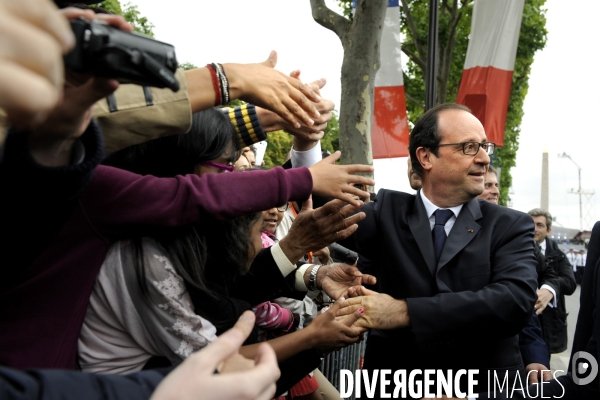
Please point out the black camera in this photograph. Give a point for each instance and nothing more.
(106, 51)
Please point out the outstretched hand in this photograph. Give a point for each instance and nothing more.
(312, 230)
(336, 181)
(331, 333)
(307, 134)
(195, 377)
(335, 279)
(261, 85)
(381, 311)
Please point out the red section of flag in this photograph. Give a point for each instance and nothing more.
(389, 134)
(486, 91)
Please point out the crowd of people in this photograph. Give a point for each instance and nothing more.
(149, 255)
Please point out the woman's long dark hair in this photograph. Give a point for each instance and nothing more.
(209, 138)
(208, 255)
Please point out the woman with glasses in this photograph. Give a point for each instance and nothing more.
(157, 300)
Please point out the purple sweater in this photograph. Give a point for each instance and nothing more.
(41, 316)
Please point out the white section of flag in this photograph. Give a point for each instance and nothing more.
(494, 33)
(390, 71)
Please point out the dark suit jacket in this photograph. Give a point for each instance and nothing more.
(466, 311)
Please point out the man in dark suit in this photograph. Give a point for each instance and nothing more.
(453, 294)
(553, 319)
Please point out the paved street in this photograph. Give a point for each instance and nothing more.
(560, 361)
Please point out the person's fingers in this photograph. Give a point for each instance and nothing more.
(317, 85)
(32, 49)
(354, 191)
(42, 15)
(533, 377)
(329, 208)
(22, 110)
(228, 343)
(332, 158)
(117, 21)
(352, 318)
(547, 375)
(307, 205)
(295, 74)
(73, 13)
(335, 307)
(271, 61)
(353, 305)
(369, 280)
(266, 371)
(299, 104)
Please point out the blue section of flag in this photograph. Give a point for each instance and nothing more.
(391, 3)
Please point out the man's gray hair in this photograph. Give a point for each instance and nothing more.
(538, 212)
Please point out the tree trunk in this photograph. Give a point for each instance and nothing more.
(361, 42)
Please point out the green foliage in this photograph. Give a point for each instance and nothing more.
(113, 6)
(331, 138)
(187, 66)
(131, 14)
(532, 38)
(279, 143)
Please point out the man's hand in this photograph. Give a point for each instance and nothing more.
(544, 297)
(336, 181)
(314, 229)
(260, 84)
(328, 332)
(381, 311)
(33, 39)
(195, 377)
(335, 279)
(540, 373)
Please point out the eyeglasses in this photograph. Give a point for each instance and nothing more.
(283, 208)
(472, 148)
(223, 168)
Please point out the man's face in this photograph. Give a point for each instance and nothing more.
(455, 178)
(490, 188)
(541, 229)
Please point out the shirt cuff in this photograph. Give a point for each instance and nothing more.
(307, 158)
(300, 286)
(553, 302)
(284, 265)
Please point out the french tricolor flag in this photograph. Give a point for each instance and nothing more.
(487, 76)
(389, 132)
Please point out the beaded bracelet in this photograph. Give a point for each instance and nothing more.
(224, 83)
(216, 86)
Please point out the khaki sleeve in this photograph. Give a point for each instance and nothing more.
(135, 114)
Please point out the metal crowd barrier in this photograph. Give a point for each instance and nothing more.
(348, 358)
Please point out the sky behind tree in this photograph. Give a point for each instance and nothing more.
(560, 108)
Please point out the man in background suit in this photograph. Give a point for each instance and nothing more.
(455, 303)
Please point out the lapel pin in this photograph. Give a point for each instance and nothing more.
(470, 230)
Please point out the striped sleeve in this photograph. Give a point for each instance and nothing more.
(247, 126)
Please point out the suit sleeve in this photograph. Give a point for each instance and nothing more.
(498, 310)
(547, 274)
(532, 346)
(73, 385)
(566, 278)
(264, 281)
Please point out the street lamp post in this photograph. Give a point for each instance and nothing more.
(565, 155)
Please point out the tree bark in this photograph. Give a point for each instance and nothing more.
(361, 42)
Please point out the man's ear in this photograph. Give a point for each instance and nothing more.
(549, 230)
(424, 156)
